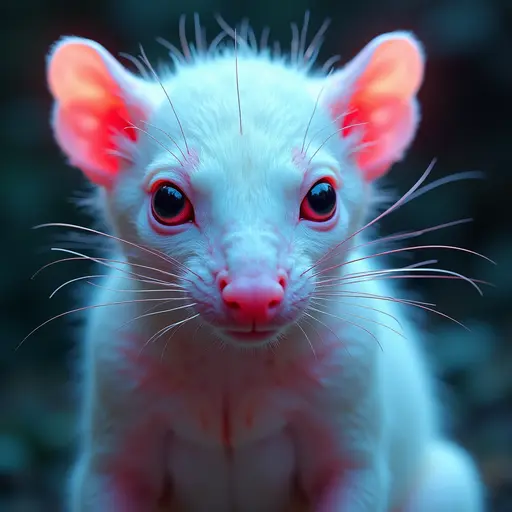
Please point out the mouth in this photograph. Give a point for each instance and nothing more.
(253, 336)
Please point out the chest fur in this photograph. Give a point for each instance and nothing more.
(223, 398)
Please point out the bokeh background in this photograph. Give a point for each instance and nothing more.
(466, 124)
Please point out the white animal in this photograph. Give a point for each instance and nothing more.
(257, 359)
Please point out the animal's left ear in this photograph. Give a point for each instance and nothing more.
(377, 90)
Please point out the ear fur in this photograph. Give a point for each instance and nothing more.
(96, 98)
(374, 96)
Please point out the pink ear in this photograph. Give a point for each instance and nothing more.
(378, 90)
(95, 100)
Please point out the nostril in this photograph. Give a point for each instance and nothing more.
(282, 279)
(231, 304)
(274, 303)
(222, 280)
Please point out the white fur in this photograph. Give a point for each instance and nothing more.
(371, 407)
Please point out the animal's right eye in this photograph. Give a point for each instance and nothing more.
(170, 206)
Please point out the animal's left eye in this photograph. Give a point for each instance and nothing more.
(319, 205)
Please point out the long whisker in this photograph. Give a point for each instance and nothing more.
(169, 286)
(128, 290)
(154, 73)
(403, 249)
(351, 304)
(405, 302)
(149, 312)
(334, 121)
(393, 207)
(172, 139)
(162, 331)
(154, 252)
(426, 276)
(359, 295)
(348, 322)
(84, 308)
(413, 234)
(366, 319)
(311, 118)
(370, 276)
(238, 86)
(307, 338)
(70, 281)
(468, 175)
(456, 277)
(309, 322)
(339, 278)
(324, 325)
(138, 128)
(101, 260)
(178, 327)
(331, 136)
(415, 195)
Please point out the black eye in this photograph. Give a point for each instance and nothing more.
(170, 205)
(319, 204)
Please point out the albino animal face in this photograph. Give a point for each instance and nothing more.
(243, 170)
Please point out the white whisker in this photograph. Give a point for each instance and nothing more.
(371, 320)
(348, 322)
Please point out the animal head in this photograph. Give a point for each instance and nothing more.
(244, 168)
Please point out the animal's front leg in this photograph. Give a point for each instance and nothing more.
(117, 476)
(123, 446)
(342, 449)
(362, 489)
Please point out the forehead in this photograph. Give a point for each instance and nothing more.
(252, 162)
(245, 131)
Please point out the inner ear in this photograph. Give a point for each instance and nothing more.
(96, 100)
(374, 97)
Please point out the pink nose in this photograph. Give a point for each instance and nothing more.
(253, 299)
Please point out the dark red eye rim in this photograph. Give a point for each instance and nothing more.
(320, 202)
(169, 204)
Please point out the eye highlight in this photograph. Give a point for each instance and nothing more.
(170, 206)
(319, 205)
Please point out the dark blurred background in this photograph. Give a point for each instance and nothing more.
(466, 103)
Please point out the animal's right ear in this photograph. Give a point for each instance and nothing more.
(375, 95)
(96, 99)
